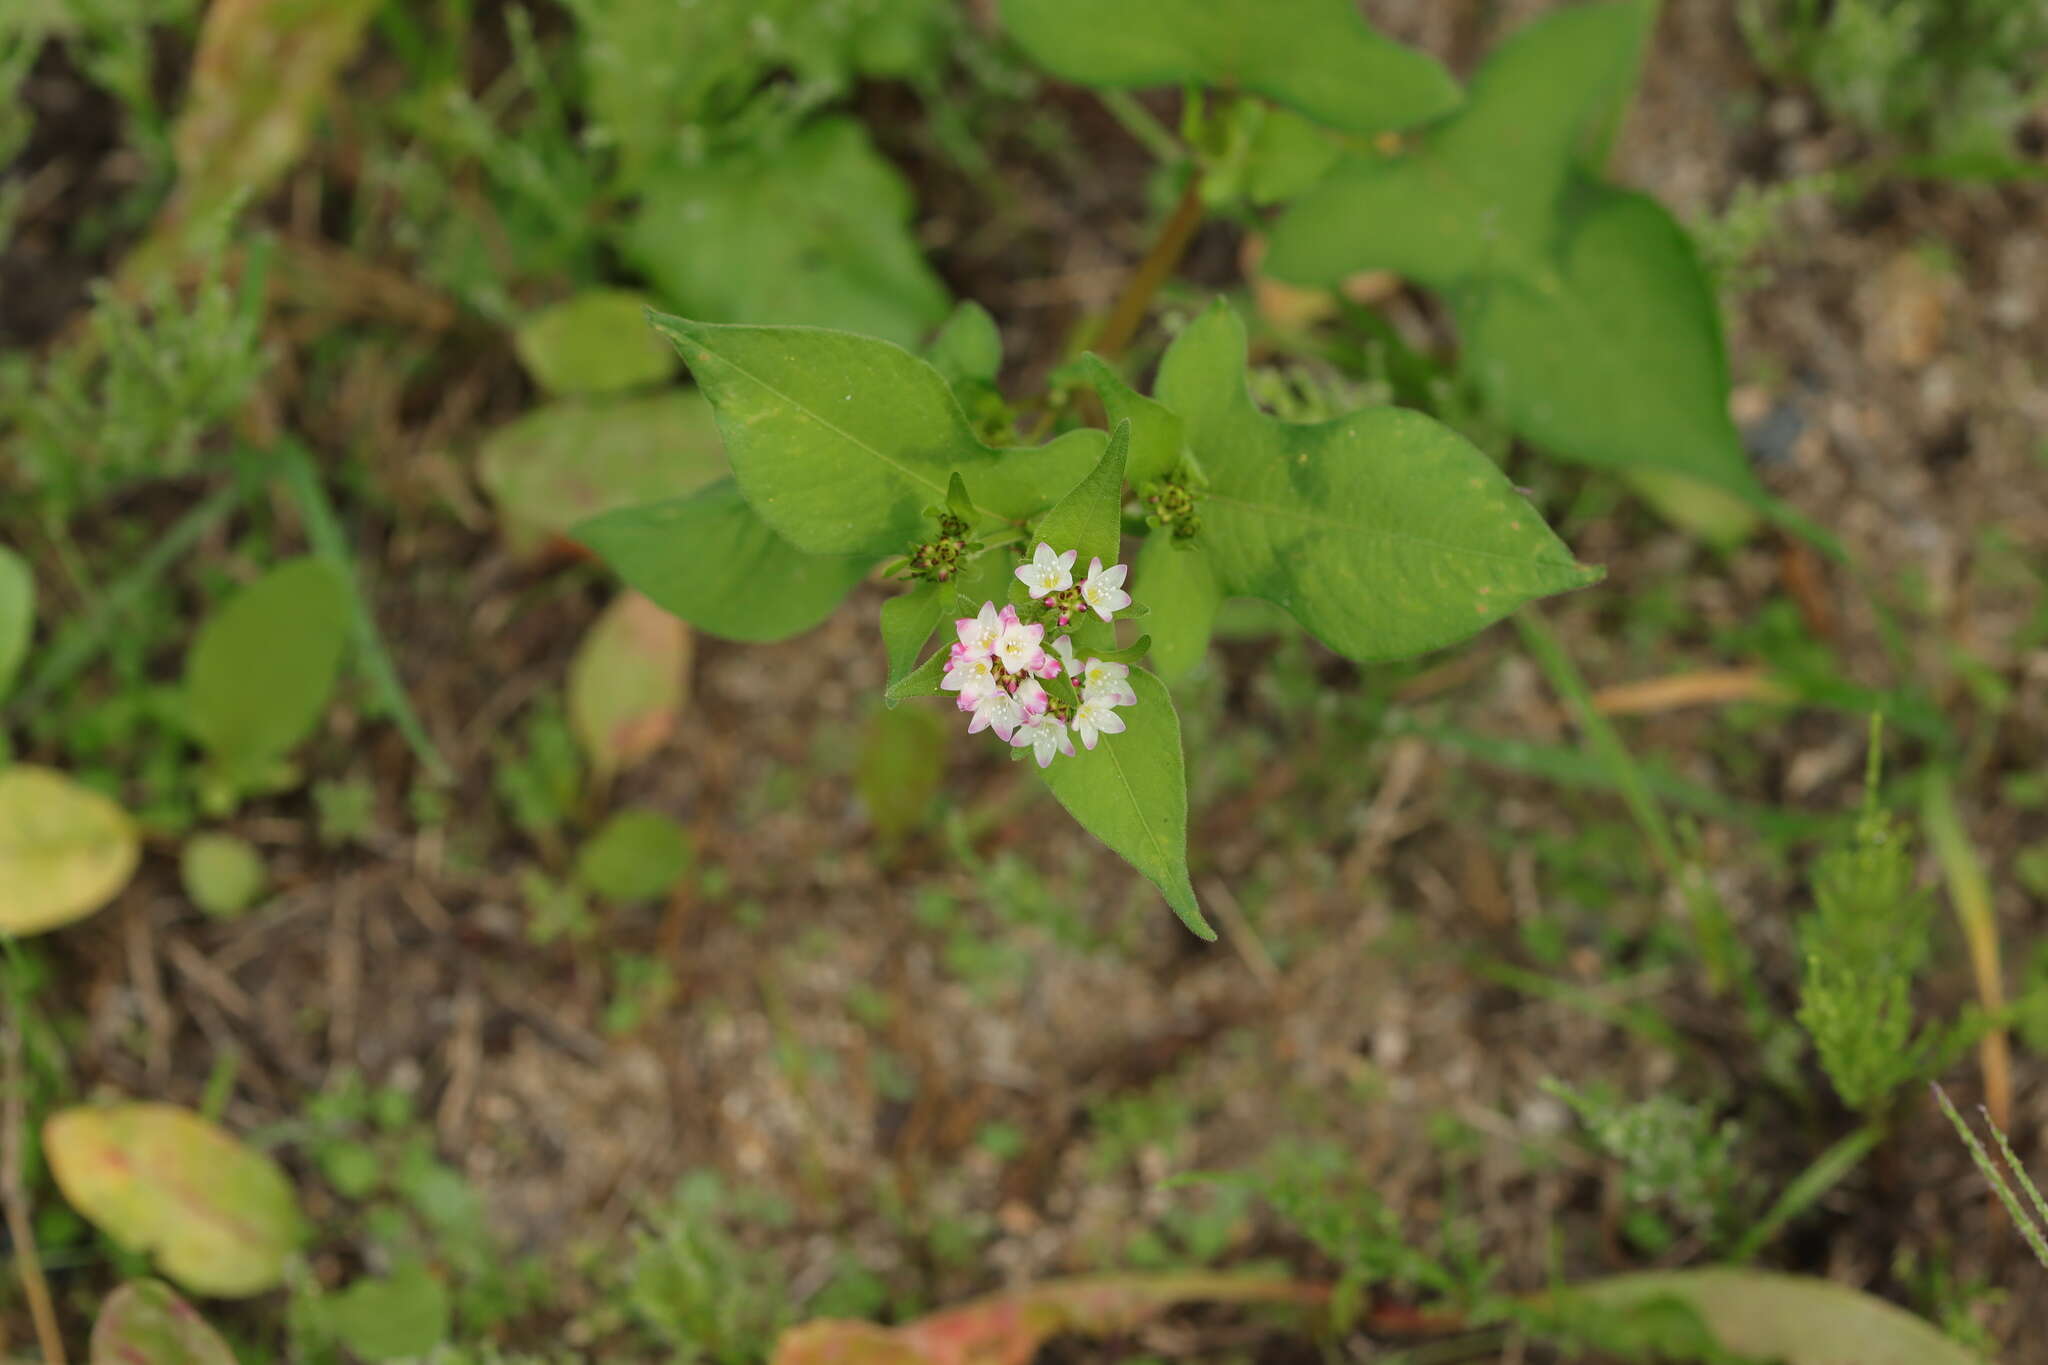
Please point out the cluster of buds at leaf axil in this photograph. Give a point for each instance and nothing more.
(1172, 500)
(1000, 664)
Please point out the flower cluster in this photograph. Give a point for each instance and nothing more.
(1000, 663)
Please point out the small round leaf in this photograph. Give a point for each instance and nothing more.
(222, 873)
(597, 341)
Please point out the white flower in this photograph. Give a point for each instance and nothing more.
(978, 634)
(1107, 682)
(1047, 572)
(1064, 647)
(1094, 718)
(998, 711)
(969, 674)
(1018, 646)
(1046, 736)
(1103, 589)
(1033, 698)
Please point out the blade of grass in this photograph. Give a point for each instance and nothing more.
(80, 641)
(1970, 894)
(1826, 1171)
(2037, 1241)
(330, 542)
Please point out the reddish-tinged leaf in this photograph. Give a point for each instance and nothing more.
(144, 1323)
(628, 682)
(1007, 1329)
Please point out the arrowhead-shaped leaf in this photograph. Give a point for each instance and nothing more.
(1315, 56)
(1573, 299)
(1131, 792)
(145, 1323)
(1158, 436)
(219, 1218)
(708, 559)
(1385, 533)
(65, 850)
(1089, 520)
(627, 683)
(840, 441)
(261, 669)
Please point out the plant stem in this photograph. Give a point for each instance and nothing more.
(1970, 894)
(1167, 249)
(20, 1228)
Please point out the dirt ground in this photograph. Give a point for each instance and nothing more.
(1357, 876)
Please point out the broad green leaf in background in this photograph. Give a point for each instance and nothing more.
(1384, 532)
(637, 855)
(627, 683)
(1180, 587)
(261, 669)
(1089, 520)
(1314, 56)
(1613, 358)
(17, 615)
(968, 347)
(223, 874)
(813, 231)
(1158, 436)
(219, 1218)
(595, 342)
(572, 460)
(397, 1316)
(1588, 320)
(1287, 155)
(902, 761)
(840, 441)
(908, 621)
(1788, 1318)
(1131, 792)
(65, 850)
(710, 560)
(145, 1323)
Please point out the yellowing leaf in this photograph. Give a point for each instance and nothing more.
(144, 1323)
(1789, 1318)
(219, 1218)
(65, 850)
(627, 683)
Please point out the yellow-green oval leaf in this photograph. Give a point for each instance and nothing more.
(65, 850)
(597, 341)
(627, 683)
(218, 1217)
(262, 667)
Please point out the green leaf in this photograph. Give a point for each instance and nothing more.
(595, 342)
(405, 1314)
(627, 683)
(145, 1323)
(968, 347)
(222, 873)
(1131, 792)
(17, 615)
(637, 855)
(65, 850)
(814, 230)
(1315, 56)
(1384, 532)
(922, 681)
(1588, 321)
(1787, 1318)
(1179, 584)
(260, 671)
(840, 441)
(708, 559)
(1090, 518)
(908, 622)
(219, 1218)
(572, 460)
(1287, 155)
(1614, 359)
(1158, 436)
